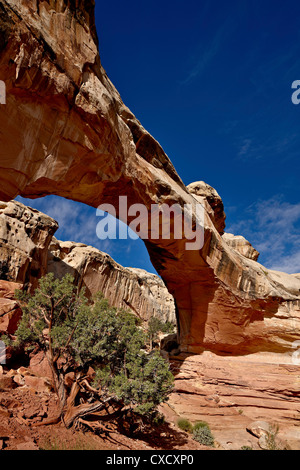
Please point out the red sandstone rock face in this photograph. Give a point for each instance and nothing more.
(132, 289)
(25, 235)
(207, 194)
(8, 289)
(230, 393)
(70, 134)
(10, 313)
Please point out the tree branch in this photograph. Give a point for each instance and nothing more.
(85, 409)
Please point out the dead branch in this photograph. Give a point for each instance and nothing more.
(94, 426)
(48, 422)
(88, 387)
(73, 413)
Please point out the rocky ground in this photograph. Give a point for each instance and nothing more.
(242, 409)
(231, 393)
(26, 400)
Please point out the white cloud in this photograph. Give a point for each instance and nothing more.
(245, 146)
(273, 227)
(207, 52)
(78, 223)
(263, 145)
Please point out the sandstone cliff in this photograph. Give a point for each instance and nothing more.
(10, 312)
(28, 250)
(25, 235)
(70, 134)
(240, 244)
(135, 289)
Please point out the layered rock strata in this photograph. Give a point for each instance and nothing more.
(135, 289)
(230, 393)
(10, 312)
(241, 245)
(25, 235)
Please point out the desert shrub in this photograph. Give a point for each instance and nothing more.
(272, 442)
(156, 326)
(185, 425)
(200, 424)
(157, 418)
(270, 439)
(203, 435)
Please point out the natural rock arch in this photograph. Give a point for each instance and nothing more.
(66, 131)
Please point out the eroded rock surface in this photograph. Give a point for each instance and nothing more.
(69, 133)
(25, 235)
(240, 244)
(10, 312)
(135, 289)
(209, 197)
(231, 393)
(28, 251)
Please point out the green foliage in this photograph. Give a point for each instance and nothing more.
(49, 316)
(200, 424)
(157, 419)
(125, 369)
(185, 425)
(246, 448)
(6, 340)
(201, 431)
(271, 439)
(203, 435)
(156, 326)
(60, 321)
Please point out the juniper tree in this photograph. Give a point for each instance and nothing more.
(156, 326)
(76, 335)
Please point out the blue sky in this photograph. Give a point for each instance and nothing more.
(211, 81)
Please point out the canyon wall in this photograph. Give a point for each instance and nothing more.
(28, 251)
(133, 289)
(25, 235)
